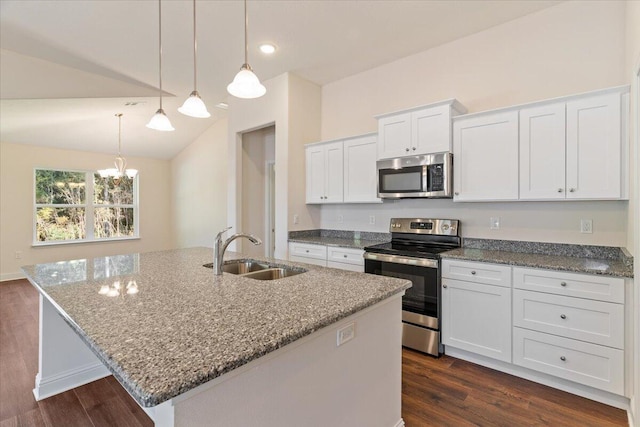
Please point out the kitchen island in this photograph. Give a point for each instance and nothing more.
(197, 349)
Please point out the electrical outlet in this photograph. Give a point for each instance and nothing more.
(339, 218)
(296, 218)
(18, 254)
(494, 222)
(346, 334)
(586, 226)
(372, 219)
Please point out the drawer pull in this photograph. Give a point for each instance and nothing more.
(562, 316)
(473, 272)
(307, 250)
(563, 358)
(563, 283)
(444, 286)
(345, 255)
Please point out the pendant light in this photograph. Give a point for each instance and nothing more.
(160, 121)
(120, 163)
(246, 84)
(194, 106)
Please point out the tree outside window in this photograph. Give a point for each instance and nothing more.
(83, 206)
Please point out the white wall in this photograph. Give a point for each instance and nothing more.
(17, 163)
(258, 147)
(291, 104)
(569, 48)
(199, 188)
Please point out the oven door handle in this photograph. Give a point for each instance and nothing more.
(397, 259)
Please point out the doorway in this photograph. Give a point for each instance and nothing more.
(258, 191)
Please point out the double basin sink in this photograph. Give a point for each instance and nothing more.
(258, 270)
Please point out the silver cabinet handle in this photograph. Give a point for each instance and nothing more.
(456, 193)
(473, 272)
(406, 149)
(563, 358)
(413, 148)
(562, 316)
(563, 283)
(444, 286)
(559, 190)
(572, 190)
(307, 251)
(345, 255)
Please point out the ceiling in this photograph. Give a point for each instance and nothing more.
(68, 66)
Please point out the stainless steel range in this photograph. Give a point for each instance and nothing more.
(413, 254)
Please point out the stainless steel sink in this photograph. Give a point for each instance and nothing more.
(273, 273)
(258, 270)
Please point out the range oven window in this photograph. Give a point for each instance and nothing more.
(422, 297)
(401, 180)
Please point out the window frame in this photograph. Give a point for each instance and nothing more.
(89, 208)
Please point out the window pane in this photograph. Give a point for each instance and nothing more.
(60, 224)
(113, 222)
(60, 187)
(109, 191)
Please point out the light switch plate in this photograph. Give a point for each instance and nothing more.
(346, 334)
(494, 222)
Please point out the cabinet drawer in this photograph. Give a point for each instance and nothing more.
(586, 320)
(345, 255)
(570, 284)
(344, 266)
(590, 364)
(308, 251)
(479, 272)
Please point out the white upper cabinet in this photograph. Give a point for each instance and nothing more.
(542, 152)
(594, 149)
(342, 171)
(324, 164)
(360, 173)
(573, 150)
(570, 148)
(421, 130)
(485, 156)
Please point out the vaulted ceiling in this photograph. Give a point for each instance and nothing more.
(68, 66)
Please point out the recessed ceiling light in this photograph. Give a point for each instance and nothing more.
(267, 48)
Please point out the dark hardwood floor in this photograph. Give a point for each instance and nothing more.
(435, 392)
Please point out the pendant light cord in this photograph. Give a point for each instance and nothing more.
(119, 116)
(246, 42)
(195, 49)
(160, 46)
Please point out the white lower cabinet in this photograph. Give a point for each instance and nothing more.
(585, 363)
(475, 316)
(567, 325)
(327, 256)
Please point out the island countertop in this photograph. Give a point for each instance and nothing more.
(185, 326)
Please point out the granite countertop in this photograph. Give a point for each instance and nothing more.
(186, 326)
(575, 258)
(339, 238)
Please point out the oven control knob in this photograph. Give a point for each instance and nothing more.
(445, 227)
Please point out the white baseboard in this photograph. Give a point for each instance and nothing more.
(55, 384)
(11, 276)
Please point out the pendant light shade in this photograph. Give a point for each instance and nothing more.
(160, 121)
(246, 84)
(194, 106)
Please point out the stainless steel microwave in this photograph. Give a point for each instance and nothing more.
(428, 176)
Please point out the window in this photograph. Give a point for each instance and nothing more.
(80, 206)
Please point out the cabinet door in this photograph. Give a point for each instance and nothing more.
(542, 152)
(485, 157)
(394, 136)
(360, 173)
(594, 148)
(334, 173)
(315, 171)
(431, 130)
(477, 318)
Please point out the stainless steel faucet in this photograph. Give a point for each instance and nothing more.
(219, 248)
